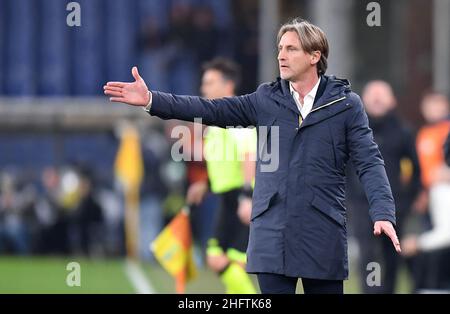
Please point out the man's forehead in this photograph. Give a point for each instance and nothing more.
(289, 38)
(212, 73)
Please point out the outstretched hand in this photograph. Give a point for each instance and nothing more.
(387, 228)
(135, 93)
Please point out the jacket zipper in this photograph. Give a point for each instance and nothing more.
(329, 104)
(300, 118)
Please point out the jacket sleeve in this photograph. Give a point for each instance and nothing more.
(369, 164)
(223, 112)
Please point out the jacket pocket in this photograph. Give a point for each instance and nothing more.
(325, 208)
(261, 204)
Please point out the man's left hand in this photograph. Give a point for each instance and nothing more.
(387, 228)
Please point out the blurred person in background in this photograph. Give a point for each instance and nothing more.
(434, 243)
(61, 210)
(155, 150)
(47, 208)
(174, 175)
(51, 216)
(67, 239)
(17, 216)
(203, 211)
(113, 219)
(397, 146)
(87, 218)
(229, 177)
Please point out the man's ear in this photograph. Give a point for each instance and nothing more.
(230, 86)
(315, 57)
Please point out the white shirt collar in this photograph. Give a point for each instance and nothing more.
(308, 100)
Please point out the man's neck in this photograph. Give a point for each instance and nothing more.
(304, 85)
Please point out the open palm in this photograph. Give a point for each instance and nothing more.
(135, 93)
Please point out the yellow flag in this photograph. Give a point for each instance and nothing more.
(173, 249)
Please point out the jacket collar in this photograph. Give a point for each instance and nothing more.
(330, 89)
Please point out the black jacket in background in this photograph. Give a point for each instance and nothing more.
(447, 150)
(395, 142)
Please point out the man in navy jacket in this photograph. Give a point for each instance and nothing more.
(312, 124)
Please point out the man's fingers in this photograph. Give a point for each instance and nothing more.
(115, 84)
(135, 73)
(113, 93)
(390, 232)
(393, 235)
(395, 242)
(113, 88)
(117, 99)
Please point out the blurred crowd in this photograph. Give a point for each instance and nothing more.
(63, 213)
(74, 208)
(418, 171)
(168, 40)
(196, 32)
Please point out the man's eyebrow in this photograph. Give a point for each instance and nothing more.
(287, 46)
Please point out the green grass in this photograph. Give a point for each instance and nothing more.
(48, 275)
